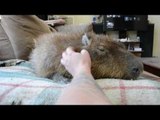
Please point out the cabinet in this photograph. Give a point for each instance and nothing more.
(147, 38)
(134, 47)
(145, 42)
(43, 17)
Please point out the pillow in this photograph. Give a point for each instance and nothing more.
(74, 28)
(21, 30)
(6, 50)
(20, 85)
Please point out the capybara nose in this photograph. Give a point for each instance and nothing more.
(135, 71)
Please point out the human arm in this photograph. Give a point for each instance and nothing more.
(83, 89)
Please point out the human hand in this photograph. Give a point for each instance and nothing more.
(76, 62)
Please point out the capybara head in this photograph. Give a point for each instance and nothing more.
(110, 59)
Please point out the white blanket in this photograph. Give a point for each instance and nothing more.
(20, 85)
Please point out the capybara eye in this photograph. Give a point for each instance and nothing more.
(89, 37)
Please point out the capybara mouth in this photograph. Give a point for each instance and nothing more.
(134, 74)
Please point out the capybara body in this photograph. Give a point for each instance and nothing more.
(110, 59)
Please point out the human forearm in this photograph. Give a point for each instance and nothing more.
(82, 90)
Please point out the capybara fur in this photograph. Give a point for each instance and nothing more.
(110, 59)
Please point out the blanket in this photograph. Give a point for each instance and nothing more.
(19, 85)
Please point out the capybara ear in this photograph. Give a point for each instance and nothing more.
(89, 28)
(86, 41)
(35, 42)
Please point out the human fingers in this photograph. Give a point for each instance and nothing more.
(64, 54)
(64, 59)
(85, 52)
(69, 50)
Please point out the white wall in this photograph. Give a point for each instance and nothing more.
(77, 19)
(155, 19)
(81, 19)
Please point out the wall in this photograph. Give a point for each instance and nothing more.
(155, 19)
(78, 19)
(82, 19)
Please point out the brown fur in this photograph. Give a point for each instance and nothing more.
(110, 59)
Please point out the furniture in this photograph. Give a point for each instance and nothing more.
(151, 65)
(98, 28)
(20, 42)
(43, 17)
(133, 47)
(6, 49)
(147, 38)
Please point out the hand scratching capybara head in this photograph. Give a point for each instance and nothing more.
(109, 58)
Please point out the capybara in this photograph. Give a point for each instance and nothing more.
(110, 59)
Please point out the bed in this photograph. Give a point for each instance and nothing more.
(19, 85)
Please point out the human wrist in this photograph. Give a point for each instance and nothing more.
(82, 76)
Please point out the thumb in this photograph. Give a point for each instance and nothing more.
(85, 52)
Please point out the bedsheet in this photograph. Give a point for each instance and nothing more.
(19, 85)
